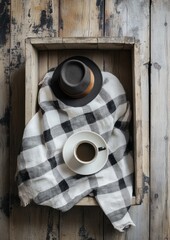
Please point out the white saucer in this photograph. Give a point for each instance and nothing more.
(73, 164)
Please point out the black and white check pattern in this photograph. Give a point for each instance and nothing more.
(43, 176)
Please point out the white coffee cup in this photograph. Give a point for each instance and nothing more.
(86, 152)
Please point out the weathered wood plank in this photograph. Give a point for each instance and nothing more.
(160, 120)
(138, 124)
(103, 43)
(129, 18)
(4, 144)
(35, 223)
(28, 19)
(81, 18)
(82, 223)
(93, 223)
(52, 59)
(41, 18)
(110, 233)
(70, 223)
(31, 86)
(42, 64)
(4, 117)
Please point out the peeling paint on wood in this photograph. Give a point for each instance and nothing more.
(50, 234)
(46, 20)
(4, 120)
(4, 116)
(17, 58)
(146, 182)
(43, 20)
(5, 57)
(107, 27)
(49, 5)
(7, 202)
(83, 234)
(4, 205)
(4, 21)
(100, 5)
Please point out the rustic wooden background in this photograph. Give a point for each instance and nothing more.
(146, 20)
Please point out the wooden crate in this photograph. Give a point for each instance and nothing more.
(119, 56)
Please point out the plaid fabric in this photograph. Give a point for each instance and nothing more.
(42, 175)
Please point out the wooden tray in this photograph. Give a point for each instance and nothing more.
(117, 55)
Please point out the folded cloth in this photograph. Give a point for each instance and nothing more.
(42, 175)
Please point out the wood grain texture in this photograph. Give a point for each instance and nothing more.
(34, 223)
(28, 19)
(84, 223)
(4, 117)
(81, 18)
(160, 120)
(131, 18)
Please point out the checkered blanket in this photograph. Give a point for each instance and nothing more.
(42, 175)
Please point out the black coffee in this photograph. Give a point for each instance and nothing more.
(85, 152)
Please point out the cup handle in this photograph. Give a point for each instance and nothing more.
(101, 149)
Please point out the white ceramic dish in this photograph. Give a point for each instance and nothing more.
(92, 167)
